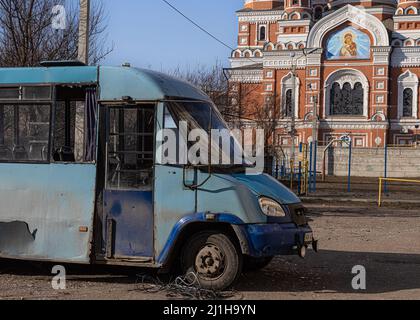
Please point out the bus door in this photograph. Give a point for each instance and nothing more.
(128, 194)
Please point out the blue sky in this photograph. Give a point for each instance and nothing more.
(147, 33)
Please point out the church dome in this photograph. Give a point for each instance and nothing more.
(408, 7)
(263, 4)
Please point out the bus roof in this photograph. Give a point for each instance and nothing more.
(115, 82)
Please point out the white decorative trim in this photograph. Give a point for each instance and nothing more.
(354, 124)
(260, 16)
(342, 76)
(337, 3)
(246, 76)
(286, 84)
(379, 114)
(295, 23)
(408, 80)
(406, 57)
(410, 18)
(381, 55)
(411, 8)
(243, 62)
(354, 15)
(295, 37)
(409, 42)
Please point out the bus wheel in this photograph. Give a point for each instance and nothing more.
(213, 258)
(255, 264)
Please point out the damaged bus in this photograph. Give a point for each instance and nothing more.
(81, 182)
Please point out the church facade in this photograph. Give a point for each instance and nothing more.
(333, 68)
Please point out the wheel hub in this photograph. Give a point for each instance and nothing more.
(210, 261)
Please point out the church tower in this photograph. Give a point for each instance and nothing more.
(298, 9)
(263, 4)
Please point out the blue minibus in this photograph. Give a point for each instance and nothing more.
(81, 182)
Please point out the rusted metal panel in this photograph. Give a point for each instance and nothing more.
(44, 211)
(130, 216)
(172, 202)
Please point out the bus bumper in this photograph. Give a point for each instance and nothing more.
(268, 240)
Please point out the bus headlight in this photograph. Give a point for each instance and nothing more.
(271, 208)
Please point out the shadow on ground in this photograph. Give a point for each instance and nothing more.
(331, 271)
(326, 272)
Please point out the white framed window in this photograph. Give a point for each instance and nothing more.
(380, 99)
(380, 71)
(312, 86)
(262, 32)
(346, 93)
(269, 74)
(313, 72)
(290, 95)
(244, 28)
(380, 85)
(269, 87)
(408, 84)
(244, 40)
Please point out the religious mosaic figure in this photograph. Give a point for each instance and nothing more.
(349, 48)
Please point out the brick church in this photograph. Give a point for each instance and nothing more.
(334, 67)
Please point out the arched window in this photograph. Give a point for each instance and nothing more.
(358, 98)
(408, 84)
(262, 34)
(408, 102)
(288, 107)
(318, 13)
(347, 100)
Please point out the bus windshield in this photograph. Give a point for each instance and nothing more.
(225, 149)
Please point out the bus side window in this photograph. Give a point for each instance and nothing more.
(70, 133)
(65, 132)
(24, 132)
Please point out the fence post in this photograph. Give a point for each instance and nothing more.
(350, 155)
(315, 157)
(386, 169)
(310, 166)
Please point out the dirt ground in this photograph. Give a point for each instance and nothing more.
(385, 241)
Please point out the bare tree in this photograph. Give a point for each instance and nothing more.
(211, 80)
(27, 36)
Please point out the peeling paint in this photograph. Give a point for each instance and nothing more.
(15, 236)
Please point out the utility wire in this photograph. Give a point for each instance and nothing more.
(202, 28)
(197, 25)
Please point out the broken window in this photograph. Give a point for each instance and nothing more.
(24, 132)
(75, 125)
(130, 147)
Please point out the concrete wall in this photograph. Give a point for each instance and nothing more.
(370, 162)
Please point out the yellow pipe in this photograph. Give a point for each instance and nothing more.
(380, 193)
(381, 180)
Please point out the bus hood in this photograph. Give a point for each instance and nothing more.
(264, 185)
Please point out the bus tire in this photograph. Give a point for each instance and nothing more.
(214, 258)
(254, 264)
